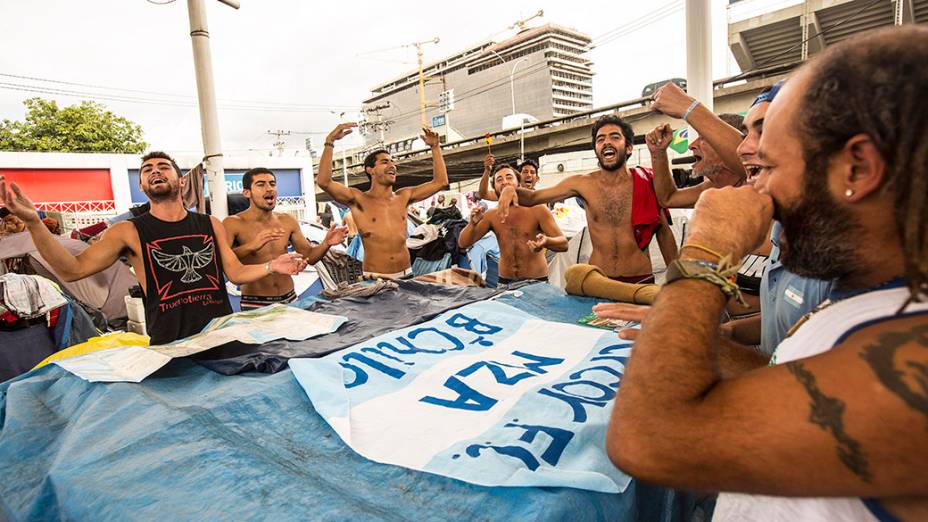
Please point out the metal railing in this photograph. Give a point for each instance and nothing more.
(105, 206)
(295, 206)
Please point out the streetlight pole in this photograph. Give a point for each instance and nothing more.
(209, 118)
(512, 94)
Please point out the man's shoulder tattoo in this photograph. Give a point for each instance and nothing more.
(906, 378)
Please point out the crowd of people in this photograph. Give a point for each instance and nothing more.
(811, 217)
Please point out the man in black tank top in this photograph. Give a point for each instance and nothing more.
(180, 257)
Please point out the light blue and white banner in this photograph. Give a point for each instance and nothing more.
(486, 393)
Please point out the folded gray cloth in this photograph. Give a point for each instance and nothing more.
(359, 289)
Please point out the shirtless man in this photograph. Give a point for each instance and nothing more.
(380, 213)
(522, 238)
(528, 172)
(620, 250)
(179, 256)
(259, 234)
(528, 168)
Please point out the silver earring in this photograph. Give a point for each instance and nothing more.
(849, 192)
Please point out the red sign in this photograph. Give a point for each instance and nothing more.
(62, 185)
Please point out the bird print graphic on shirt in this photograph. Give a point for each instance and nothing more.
(187, 261)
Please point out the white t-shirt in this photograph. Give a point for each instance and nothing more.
(820, 333)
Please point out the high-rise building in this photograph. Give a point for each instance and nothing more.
(538, 74)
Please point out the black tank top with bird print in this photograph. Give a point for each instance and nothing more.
(185, 287)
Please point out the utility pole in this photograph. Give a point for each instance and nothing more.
(418, 46)
(380, 126)
(206, 96)
(279, 144)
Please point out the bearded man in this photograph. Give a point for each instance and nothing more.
(623, 213)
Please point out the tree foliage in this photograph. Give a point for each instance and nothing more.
(87, 127)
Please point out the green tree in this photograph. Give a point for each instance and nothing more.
(87, 127)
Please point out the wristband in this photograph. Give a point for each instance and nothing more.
(267, 268)
(329, 144)
(723, 275)
(702, 248)
(689, 109)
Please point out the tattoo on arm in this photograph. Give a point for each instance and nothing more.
(827, 413)
(897, 376)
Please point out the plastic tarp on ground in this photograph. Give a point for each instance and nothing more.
(412, 303)
(190, 444)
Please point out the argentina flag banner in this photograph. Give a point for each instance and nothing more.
(485, 393)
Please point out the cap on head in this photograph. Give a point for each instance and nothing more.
(769, 93)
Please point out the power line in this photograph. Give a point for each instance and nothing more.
(480, 89)
(605, 38)
(638, 23)
(165, 94)
(792, 48)
(135, 99)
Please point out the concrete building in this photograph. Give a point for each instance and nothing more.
(542, 71)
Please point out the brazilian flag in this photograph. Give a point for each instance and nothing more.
(680, 142)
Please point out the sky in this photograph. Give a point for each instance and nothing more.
(296, 65)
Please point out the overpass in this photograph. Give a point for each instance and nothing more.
(759, 37)
(464, 158)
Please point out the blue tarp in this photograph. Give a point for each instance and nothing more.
(190, 444)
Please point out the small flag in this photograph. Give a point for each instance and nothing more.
(488, 139)
(680, 142)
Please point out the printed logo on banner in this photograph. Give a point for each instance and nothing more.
(486, 393)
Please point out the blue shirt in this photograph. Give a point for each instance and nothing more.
(785, 297)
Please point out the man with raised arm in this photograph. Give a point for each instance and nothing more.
(258, 234)
(709, 165)
(522, 238)
(179, 257)
(528, 175)
(623, 214)
(380, 212)
(834, 429)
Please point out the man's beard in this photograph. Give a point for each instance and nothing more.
(157, 195)
(819, 235)
(620, 157)
(709, 172)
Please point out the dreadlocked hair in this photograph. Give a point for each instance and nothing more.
(875, 84)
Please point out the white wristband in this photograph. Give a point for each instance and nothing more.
(267, 268)
(689, 109)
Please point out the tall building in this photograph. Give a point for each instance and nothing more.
(550, 77)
